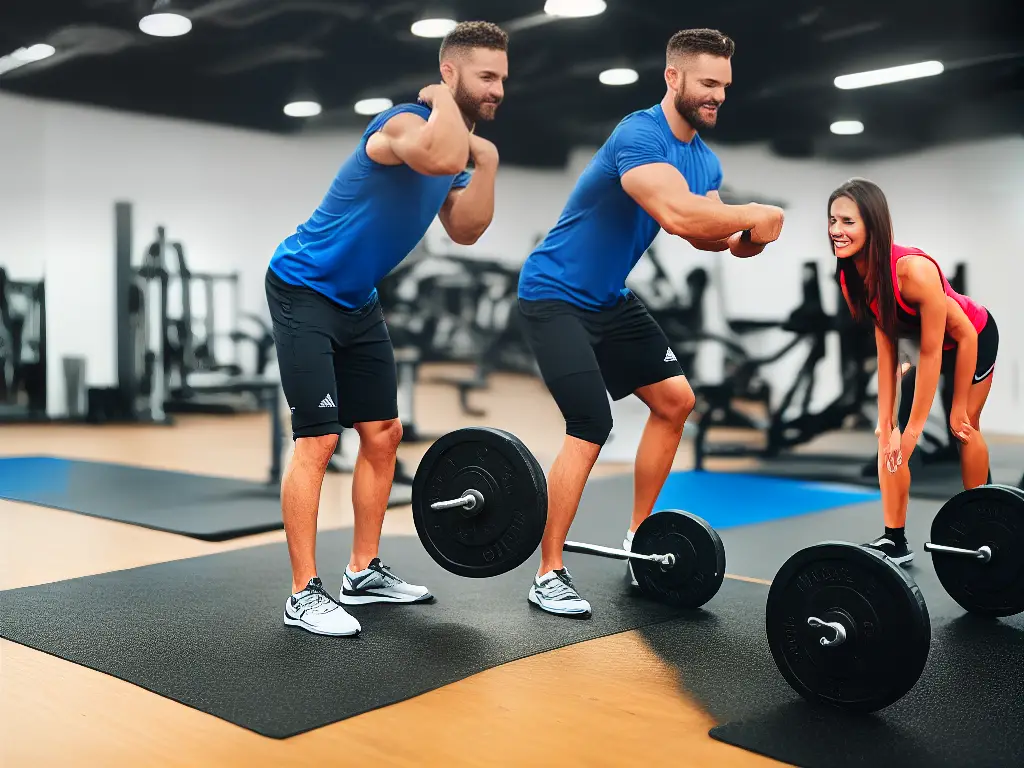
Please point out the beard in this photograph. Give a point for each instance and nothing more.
(475, 109)
(689, 110)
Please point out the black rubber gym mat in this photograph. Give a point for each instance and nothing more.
(966, 708)
(208, 631)
(203, 507)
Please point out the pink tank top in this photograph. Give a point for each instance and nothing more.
(908, 315)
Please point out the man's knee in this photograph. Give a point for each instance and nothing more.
(675, 401)
(592, 427)
(316, 449)
(380, 438)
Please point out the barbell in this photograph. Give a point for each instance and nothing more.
(479, 504)
(846, 626)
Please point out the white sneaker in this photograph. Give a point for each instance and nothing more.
(627, 544)
(314, 610)
(377, 584)
(554, 592)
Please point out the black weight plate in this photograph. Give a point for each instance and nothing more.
(883, 611)
(699, 569)
(506, 530)
(990, 515)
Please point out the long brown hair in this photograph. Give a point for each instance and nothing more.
(877, 253)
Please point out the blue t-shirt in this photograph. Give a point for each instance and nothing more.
(603, 232)
(371, 218)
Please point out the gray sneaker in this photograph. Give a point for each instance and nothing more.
(314, 610)
(554, 592)
(377, 584)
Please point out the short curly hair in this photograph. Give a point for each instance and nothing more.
(690, 42)
(473, 34)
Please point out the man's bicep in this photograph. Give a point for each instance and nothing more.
(399, 140)
(652, 185)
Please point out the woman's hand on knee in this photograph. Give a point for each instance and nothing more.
(960, 425)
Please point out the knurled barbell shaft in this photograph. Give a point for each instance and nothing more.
(984, 553)
(616, 554)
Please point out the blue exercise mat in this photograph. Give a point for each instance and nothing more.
(726, 499)
(204, 507)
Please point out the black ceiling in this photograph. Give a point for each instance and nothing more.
(244, 59)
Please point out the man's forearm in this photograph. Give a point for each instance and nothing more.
(700, 218)
(473, 210)
(925, 385)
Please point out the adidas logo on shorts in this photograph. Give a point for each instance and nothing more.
(327, 402)
(670, 356)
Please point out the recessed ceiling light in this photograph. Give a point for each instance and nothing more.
(574, 9)
(165, 25)
(36, 52)
(302, 109)
(433, 27)
(889, 75)
(847, 127)
(372, 106)
(620, 76)
(23, 56)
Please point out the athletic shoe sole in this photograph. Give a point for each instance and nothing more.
(289, 621)
(345, 599)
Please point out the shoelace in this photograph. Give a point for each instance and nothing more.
(386, 575)
(313, 599)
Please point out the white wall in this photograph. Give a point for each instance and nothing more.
(230, 196)
(22, 238)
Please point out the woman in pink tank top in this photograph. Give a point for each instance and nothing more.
(903, 292)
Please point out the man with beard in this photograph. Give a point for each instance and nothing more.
(590, 335)
(333, 348)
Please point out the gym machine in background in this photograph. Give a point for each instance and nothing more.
(148, 344)
(193, 362)
(22, 350)
(742, 382)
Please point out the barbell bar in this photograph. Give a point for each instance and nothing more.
(472, 499)
(983, 553)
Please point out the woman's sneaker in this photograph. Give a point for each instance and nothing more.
(555, 593)
(314, 610)
(898, 552)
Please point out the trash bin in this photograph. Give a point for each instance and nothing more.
(74, 386)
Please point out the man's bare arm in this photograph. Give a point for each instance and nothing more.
(662, 191)
(438, 146)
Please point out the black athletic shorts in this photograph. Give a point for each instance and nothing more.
(337, 365)
(988, 348)
(623, 343)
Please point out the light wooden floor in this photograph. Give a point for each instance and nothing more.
(615, 702)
